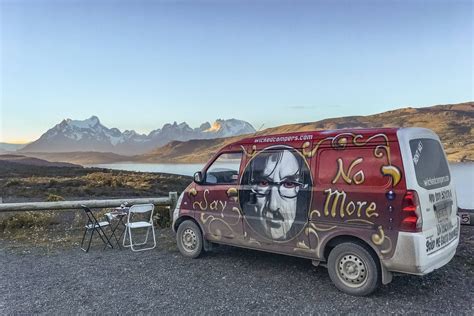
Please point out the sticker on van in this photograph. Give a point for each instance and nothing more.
(431, 168)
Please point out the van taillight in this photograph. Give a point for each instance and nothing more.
(411, 214)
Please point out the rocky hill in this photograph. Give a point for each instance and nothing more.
(81, 157)
(31, 161)
(453, 123)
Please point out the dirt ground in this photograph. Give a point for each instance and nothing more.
(56, 277)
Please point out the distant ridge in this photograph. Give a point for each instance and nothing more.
(31, 161)
(453, 123)
(81, 158)
(7, 147)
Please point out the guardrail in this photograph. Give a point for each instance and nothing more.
(70, 205)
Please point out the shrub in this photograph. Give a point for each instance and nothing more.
(161, 216)
(13, 182)
(53, 198)
(28, 220)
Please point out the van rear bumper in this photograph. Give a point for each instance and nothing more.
(410, 254)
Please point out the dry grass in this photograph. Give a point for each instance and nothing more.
(33, 183)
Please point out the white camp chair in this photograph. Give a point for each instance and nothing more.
(130, 225)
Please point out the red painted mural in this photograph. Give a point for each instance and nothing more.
(293, 193)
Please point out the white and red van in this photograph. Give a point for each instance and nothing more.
(364, 202)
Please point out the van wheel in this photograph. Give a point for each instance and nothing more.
(189, 239)
(354, 269)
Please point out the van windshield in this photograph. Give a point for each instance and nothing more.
(431, 167)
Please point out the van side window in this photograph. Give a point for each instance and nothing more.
(225, 169)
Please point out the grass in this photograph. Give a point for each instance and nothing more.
(22, 183)
(32, 183)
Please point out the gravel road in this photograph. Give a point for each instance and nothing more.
(227, 280)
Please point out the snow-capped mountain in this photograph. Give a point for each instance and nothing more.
(91, 135)
(227, 128)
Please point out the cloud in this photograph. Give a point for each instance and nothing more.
(311, 107)
(301, 107)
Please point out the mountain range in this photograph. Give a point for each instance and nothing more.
(454, 123)
(91, 135)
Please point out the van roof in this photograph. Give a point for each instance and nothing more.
(261, 138)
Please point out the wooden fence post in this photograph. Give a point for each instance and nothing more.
(173, 199)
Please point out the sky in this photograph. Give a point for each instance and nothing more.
(141, 64)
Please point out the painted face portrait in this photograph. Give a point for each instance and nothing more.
(276, 193)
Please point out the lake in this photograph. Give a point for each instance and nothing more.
(187, 169)
(462, 174)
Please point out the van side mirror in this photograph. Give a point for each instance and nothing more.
(198, 177)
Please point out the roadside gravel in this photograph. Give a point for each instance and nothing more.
(227, 280)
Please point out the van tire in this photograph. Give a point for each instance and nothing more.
(354, 269)
(189, 239)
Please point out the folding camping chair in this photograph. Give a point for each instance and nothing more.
(130, 225)
(93, 225)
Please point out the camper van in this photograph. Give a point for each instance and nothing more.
(365, 203)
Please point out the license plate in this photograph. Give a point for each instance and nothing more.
(465, 218)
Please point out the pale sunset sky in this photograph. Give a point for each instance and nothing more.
(141, 64)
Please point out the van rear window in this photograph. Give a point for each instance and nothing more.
(431, 167)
